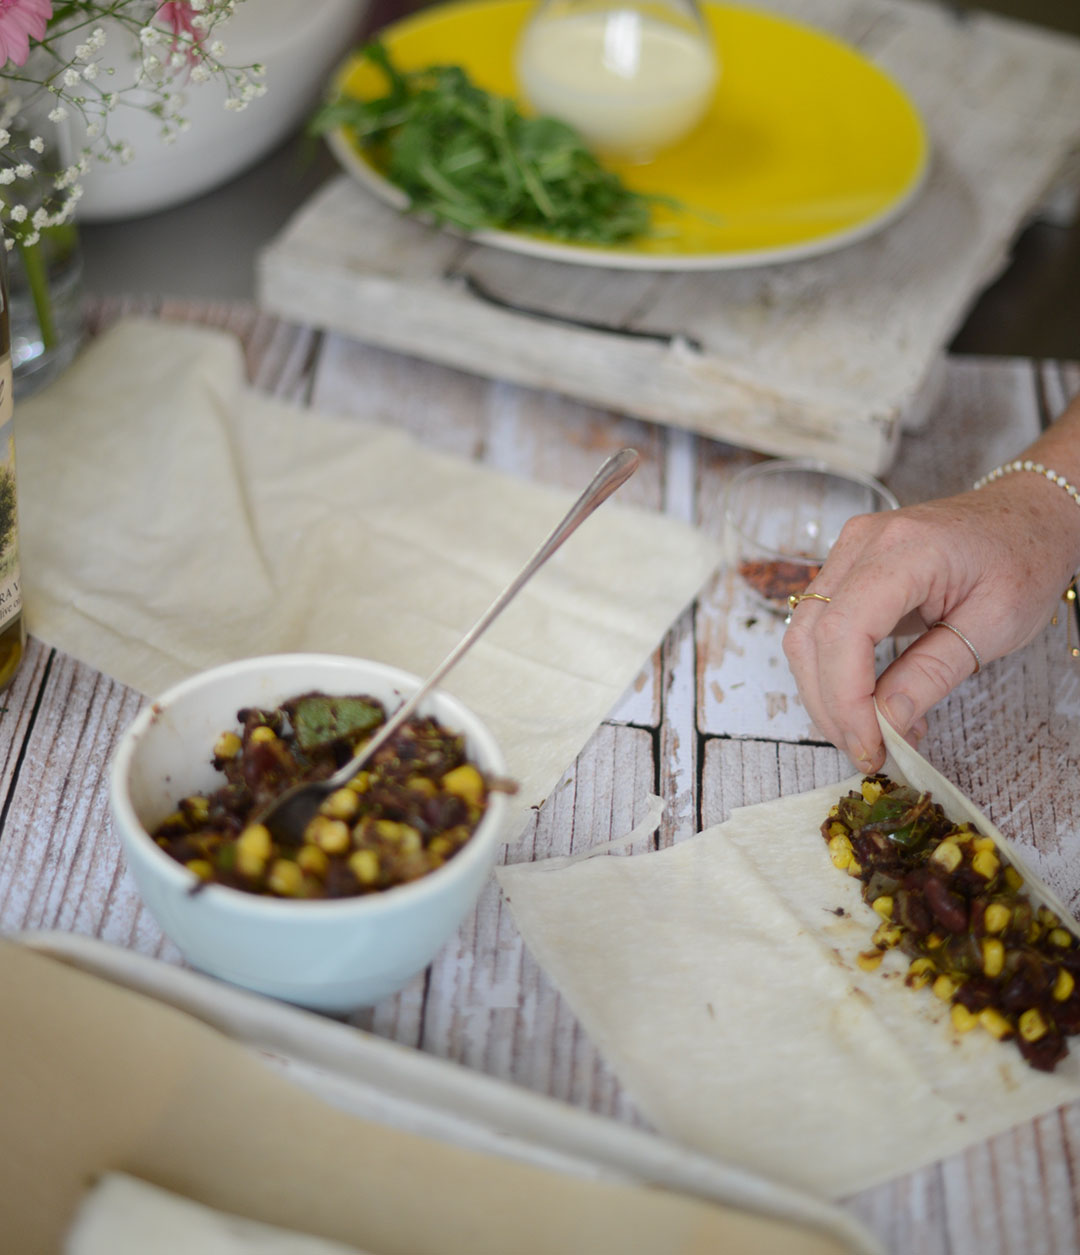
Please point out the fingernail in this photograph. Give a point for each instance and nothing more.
(899, 710)
(856, 753)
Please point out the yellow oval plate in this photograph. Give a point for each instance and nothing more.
(807, 146)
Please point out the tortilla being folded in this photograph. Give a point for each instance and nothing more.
(718, 979)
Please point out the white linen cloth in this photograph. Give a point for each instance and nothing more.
(172, 518)
(718, 979)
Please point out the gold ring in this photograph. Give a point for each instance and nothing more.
(794, 599)
(956, 632)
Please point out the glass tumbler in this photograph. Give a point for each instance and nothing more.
(631, 76)
(782, 518)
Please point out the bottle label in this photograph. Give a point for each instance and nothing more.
(10, 595)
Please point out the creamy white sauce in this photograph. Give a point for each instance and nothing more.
(629, 84)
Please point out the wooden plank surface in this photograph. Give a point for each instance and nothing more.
(1009, 737)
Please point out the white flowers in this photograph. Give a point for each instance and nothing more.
(175, 45)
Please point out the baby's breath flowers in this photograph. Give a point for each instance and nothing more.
(55, 71)
(66, 66)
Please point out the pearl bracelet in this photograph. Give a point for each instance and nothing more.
(1025, 464)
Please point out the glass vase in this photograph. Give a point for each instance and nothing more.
(44, 258)
(46, 306)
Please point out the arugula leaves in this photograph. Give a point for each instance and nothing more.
(471, 160)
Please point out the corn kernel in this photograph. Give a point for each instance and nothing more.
(854, 868)
(944, 987)
(986, 863)
(934, 940)
(197, 809)
(201, 868)
(996, 918)
(361, 782)
(883, 905)
(1032, 1026)
(995, 1023)
(410, 841)
(1013, 880)
(441, 846)
(985, 843)
(887, 935)
(341, 804)
(947, 855)
(871, 791)
(388, 829)
(840, 850)
(869, 959)
(465, 782)
(423, 785)
(311, 859)
(1033, 933)
(1060, 937)
(920, 973)
(993, 956)
(364, 865)
(253, 847)
(963, 1020)
(1047, 918)
(228, 745)
(1064, 985)
(285, 878)
(330, 835)
(262, 735)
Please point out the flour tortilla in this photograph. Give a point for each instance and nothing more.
(718, 979)
(122, 1215)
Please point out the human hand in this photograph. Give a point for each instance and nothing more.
(992, 563)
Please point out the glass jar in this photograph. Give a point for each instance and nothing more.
(631, 76)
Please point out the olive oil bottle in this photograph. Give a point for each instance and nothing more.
(12, 625)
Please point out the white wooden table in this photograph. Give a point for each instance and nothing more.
(712, 723)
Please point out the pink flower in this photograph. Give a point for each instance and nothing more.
(21, 21)
(179, 14)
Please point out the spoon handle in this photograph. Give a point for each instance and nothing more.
(615, 471)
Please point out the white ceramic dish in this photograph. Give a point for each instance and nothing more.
(327, 955)
(383, 1081)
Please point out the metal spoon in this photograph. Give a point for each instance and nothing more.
(288, 815)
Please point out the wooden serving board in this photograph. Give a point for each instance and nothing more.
(827, 357)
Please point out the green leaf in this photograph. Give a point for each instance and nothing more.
(470, 159)
(319, 720)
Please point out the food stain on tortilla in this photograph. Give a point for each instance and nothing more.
(717, 691)
(1008, 1079)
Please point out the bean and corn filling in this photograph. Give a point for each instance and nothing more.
(413, 806)
(951, 901)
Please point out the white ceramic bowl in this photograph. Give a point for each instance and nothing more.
(298, 44)
(328, 955)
